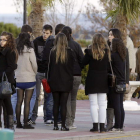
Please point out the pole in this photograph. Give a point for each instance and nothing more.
(24, 12)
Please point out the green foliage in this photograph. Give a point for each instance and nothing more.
(130, 9)
(81, 95)
(84, 43)
(9, 27)
(84, 74)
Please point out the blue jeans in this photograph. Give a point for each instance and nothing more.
(32, 103)
(14, 103)
(48, 106)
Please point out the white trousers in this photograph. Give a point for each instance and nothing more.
(98, 101)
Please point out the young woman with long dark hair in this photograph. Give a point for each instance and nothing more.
(118, 57)
(115, 34)
(25, 78)
(8, 59)
(60, 77)
(97, 55)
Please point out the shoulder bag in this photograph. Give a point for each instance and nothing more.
(5, 86)
(111, 77)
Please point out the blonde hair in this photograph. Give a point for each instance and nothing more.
(98, 47)
(60, 46)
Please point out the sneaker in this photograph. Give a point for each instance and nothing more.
(116, 130)
(49, 122)
(72, 127)
(30, 121)
(28, 126)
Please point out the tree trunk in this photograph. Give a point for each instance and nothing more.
(35, 19)
(120, 23)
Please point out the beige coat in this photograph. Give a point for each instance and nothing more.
(131, 51)
(27, 66)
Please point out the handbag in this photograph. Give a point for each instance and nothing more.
(46, 86)
(44, 81)
(111, 77)
(121, 87)
(5, 86)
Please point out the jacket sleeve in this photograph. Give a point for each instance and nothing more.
(11, 62)
(80, 56)
(86, 58)
(127, 66)
(33, 61)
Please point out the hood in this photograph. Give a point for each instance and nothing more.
(27, 50)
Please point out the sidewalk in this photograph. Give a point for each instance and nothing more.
(84, 124)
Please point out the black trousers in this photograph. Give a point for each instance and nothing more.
(6, 101)
(60, 104)
(115, 101)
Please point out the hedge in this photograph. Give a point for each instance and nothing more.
(9, 27)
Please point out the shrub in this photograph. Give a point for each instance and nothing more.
(9, 27)
(81, 95)
(84, 74)
(84, 43)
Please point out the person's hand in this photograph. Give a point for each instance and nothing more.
(127, 85)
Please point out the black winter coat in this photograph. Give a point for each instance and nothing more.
(7, 64)
(119, 68)
(97, 80)
(61, 75)
(78, 54)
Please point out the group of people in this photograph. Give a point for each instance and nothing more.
(60, 60)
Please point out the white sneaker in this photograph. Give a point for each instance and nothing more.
(116, 130)
(49, 122)
(72, 127)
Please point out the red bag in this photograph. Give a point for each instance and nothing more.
(46, 86)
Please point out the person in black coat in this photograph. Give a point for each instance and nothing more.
(8, 59)
(71, 104)
(60, 77)
(118, 58)
(115, 33)
(97, 56)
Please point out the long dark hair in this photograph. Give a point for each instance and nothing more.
(116, 33)
(67, 31)
(10, 43)
(24, 39)
(118, 46)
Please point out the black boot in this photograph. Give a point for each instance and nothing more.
(95, 128)
(110, 115)
(11, 122)
(102, 128)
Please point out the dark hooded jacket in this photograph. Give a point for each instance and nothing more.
(39, 45)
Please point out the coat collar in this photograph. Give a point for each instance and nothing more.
(4, 51)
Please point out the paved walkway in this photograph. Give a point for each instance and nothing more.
(84, 124)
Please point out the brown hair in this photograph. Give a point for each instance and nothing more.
(60, 46)
(118, 46)
(10, 43)
(98, 47)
